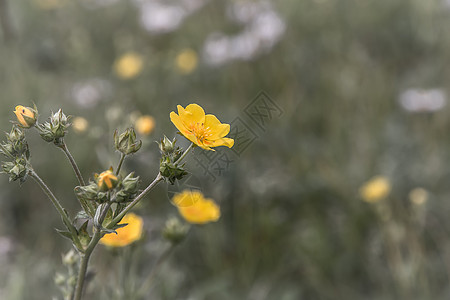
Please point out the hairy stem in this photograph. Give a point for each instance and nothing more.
(58, 207)
(84, 261)
(135, 201)
(122, 158)
(191, 146)
(64, 148)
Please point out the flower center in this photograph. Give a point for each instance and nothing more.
(201, 132)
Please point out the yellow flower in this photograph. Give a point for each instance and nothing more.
(145, 124)
(125, 235)
(205, 131)
(195, 208)
(107, 180)
(49, 4)
(418, 196)
(129, 65)
(80, 124)
(375, 189)
(25, 116)
(186, 61)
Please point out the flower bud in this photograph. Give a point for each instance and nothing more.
(26, 116)
(170, 171)
(130, 186)
(56, 129)
(167, 146)
(175, 231)
(126, 142)
(107, 180)
(16, 169)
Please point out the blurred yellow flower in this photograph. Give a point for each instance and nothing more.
(205, 131)
(107, 180)
(145, 124)
(80, 124)
(186, 61)
(375, 189)
(25, 116)
(129, 65)
(49, 4)
(418, 196)
(125, 235)
(195, 208)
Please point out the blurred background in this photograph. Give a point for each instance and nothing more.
(337, 187)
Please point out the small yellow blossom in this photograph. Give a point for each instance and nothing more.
(195, 208)
(25, 116)
(125, 235)
(145, 124)
(80, 124)
(49, 4)
(205, 131)
(129, 65)
(375, 189)
(418, 196)
(107, 180)
(186, 61)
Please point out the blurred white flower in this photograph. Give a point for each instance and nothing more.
(93, 4)
(88, 93)
(264, 28)
(158, 16)
(417, 100)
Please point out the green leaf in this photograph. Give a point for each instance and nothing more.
(65, 234)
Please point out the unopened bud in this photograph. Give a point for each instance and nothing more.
(26, 116)
(107, 180)
(175, 231)
(126, 142)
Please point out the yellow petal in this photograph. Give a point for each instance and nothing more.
(217, 129)
(221, 142)
(204, 211)
(186, 198)
(125, 235)
(192, 114)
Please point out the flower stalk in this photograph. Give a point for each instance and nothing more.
(58, 207)
(75, 168)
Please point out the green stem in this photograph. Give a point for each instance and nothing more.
(64, 148)
(58, 207)
(122, 158)
(84, 261)
(191, 146)
(135, 201)
(87, 206)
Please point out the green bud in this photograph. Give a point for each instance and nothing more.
(167, 146)
(174, 231)
(16, 169)
(126, 142)
(129, 188)
(56, 128)
(170, 171)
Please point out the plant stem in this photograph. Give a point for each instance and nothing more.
(191, 146)
(122, 158)
(84, 261)
(135, 201)
(64, 148)
(58, 207)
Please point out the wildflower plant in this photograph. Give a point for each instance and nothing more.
(107, 199)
